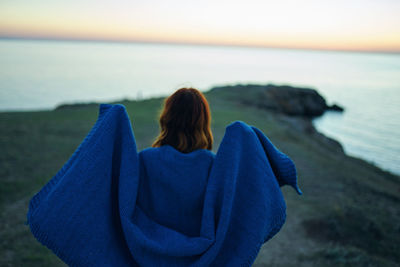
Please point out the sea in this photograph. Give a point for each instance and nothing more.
(36, 75)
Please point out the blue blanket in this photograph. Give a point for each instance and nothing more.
(112, 206)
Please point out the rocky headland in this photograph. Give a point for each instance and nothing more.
(295, 106)
(285, 99)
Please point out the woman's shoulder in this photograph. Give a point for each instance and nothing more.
(168, 149)
(148, 151)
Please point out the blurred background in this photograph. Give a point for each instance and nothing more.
(65, 52)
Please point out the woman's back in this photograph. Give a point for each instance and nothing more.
(172, 186)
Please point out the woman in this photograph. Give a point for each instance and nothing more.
(185, 122)
(173, 204)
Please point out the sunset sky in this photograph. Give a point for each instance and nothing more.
(364, 25)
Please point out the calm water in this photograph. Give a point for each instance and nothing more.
(40, 74)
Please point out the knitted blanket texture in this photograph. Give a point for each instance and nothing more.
(110, 205)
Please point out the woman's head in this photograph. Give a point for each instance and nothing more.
(185, 121)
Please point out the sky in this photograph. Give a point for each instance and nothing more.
(361, 25)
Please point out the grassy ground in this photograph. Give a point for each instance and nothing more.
(348, 216)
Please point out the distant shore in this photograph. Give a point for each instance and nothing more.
(133, 42)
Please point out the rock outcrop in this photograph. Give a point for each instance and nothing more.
(293, 101)
(293, 106)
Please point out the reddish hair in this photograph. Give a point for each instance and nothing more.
(185, 121)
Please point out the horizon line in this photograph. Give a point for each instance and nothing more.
(143, 41)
